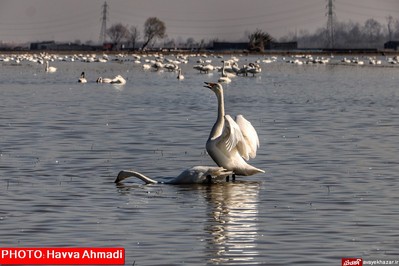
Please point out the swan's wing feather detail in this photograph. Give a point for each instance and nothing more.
(250, 136)
(235, 138)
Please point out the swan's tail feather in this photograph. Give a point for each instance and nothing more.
(128, 173)
(250, 170)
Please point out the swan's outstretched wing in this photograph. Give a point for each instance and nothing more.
(250, 136)
(239, 134)
(233, 137)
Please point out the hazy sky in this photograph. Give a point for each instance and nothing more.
(70, 20)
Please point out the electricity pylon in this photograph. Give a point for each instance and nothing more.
(103, 32)
(330, 23)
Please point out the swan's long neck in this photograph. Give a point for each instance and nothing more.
(223, 72)
(127, 173)
(217, 128)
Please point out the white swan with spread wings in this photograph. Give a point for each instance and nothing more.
(232, 142)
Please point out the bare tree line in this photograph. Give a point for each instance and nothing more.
(153, 29)
(370, 34)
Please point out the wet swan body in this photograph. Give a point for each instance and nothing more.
(193, 175)
(103, 80)
(232, 142)
(118, 79)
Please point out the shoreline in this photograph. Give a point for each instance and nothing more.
(342, 52)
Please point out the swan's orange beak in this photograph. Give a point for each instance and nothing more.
(209, 85)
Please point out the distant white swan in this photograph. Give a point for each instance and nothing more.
(171, 67)
(118, 80)
(204, 68)
(225, 78)
(146, 66)
(253, 68)
(50, 69)
(82, 78)
(193, 175)
(231, 142)
(180, 75)
(207, 68)
(103, 80)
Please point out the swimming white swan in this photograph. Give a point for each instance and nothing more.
(103, 80)
(146, 66)
(230, 142)
(227, 70)
(50, 69)
(225, 78)
(253, 68)
(204, 68)
(82, 78)
(193, 175)
(207, 68)
(118, 80)
(180, 75)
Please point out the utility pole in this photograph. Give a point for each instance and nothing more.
(103, 32)
(330, 23)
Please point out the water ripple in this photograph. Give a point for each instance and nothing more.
(329, 138)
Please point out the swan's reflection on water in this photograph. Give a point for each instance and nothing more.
(232, 222)
(228, 213)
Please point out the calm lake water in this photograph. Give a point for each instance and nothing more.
(329, 139)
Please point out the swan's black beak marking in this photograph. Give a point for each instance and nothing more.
(209, 85)
(120, 177)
